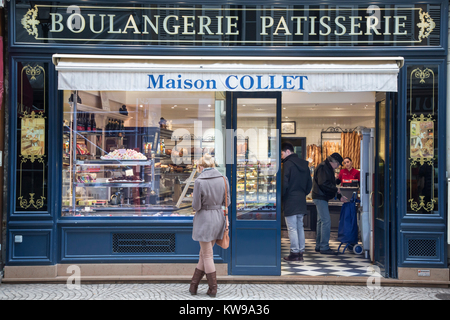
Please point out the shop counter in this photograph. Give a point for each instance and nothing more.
(311, 220)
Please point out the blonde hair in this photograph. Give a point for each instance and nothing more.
(207, 161)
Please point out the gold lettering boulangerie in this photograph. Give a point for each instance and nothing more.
(91, 23)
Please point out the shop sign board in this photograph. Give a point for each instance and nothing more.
(229, 25)
(312, 82)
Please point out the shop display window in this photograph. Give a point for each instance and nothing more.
(134, 153)
(422, 138)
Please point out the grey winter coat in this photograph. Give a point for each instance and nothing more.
(208, 197)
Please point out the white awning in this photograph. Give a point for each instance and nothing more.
(186, 73)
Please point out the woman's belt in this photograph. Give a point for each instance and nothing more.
(214, 207)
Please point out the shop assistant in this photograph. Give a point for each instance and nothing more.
(349, 173)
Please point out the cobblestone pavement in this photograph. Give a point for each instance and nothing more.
(179, 291)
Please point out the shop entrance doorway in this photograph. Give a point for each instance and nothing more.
(335, 122)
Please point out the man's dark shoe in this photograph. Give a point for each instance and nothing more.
(294, 257)
(329, 251)
(317, 249)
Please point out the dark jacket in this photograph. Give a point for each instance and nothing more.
(324, 182)
(296, 184)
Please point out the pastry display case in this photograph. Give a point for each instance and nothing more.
(119, 170)
(255, 190)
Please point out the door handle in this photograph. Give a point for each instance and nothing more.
(367, 181)
(382, 198)
(371, 199)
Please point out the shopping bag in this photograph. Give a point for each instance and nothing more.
(348, 222)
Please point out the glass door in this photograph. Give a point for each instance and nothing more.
(256, 231)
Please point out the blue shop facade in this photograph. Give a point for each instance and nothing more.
(110, 107)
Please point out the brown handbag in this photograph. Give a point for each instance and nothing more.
(225, 241)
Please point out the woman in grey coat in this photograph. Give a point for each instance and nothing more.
(209, 220)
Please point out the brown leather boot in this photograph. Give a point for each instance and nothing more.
(212, 283)
(196, 278)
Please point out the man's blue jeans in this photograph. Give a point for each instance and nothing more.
(296, 232)
(323, 225)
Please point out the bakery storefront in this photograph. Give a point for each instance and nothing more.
(110, 107)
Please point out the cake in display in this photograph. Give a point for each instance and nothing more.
(124, 154)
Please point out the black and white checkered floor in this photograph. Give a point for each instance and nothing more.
(316, 264)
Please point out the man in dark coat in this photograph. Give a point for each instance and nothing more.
(296, 185)
(324, 189)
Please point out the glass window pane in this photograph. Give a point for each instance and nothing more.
(32, 136)
(422, 136)
(134, 153)
(257, 153)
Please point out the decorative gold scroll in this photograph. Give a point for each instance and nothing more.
(29, 22)
(33, 72)
(422, 74)
(426, 25)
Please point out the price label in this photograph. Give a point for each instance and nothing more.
(129, 172)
